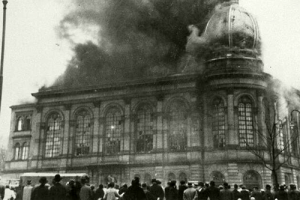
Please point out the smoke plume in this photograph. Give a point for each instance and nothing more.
(134, 39)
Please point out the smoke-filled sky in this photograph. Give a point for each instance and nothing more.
(44, 38)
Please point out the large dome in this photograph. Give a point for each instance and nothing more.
(232, 26)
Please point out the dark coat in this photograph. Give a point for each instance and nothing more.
(58, 192)
(236, 194)
(40, 192)
(157, 191)
(245, 195)
(226, 194)
(202, 194)
(213, 193)
(99, 194)
(171, 193)
(134, 192)
(257, 195)
(281, 195)
(180, 191)
(268, 195)
(293, 195)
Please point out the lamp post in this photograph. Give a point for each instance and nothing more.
(2, 49)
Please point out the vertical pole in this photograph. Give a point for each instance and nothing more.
(2, 50)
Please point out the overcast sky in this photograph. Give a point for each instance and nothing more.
(35, 56)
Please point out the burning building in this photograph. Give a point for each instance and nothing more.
(203, 121)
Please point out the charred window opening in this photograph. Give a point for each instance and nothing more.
(245, 118)
(218, 123)
(53, 135)
(82, 137)
(113, 130)
(144, 130)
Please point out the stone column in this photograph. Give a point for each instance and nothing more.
(232, 139)
(160, 142)
(208, 139)
(95, 132)
(65, 137)
(261, 134)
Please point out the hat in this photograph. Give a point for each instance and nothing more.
(153, 180)
(57, 178)
(190, 184)
(43, 180)
(201, 184)
(282, 187)
(28, 182)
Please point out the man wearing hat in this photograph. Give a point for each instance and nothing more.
(281, 194)
(213, 191)
(41, 191)
(27, 191)
(181, 189)
(57, 191)
(157, 190)
(202, 191)
(190, 193)
(293, 194)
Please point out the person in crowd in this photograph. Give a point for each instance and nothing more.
(71, 191)
(8, 193)
(41, 191)
(77, 185)
(27, 191)
(213, 192)
(256, 194)
(281, 194)
(156, 190)
(86, 192)
(2, 189)
(173, 192)
(190, 193)
(181, 189)
(293, 194)
(57, 191)
(99, 194)
(235, 193)
(167, 189)
(149, 196)
(202, 191)
(19, 194)
(123, 189)
(93, 191)
(111, 192)
(268, 194)
(245, 194)
(225, 194)
(134, 191)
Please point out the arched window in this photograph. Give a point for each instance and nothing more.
(53, 135)
(27, 123)
(252, 179)
(171, 177)
(20, 124)
(144, 129)
(218, 123)
(147, 179)
(182, 177)
(17, 151)
(245, 117)
(217, 177)
(25, 149)
(83, 129)
(114, 131)
(177, 126)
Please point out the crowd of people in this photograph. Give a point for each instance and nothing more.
(82, 190)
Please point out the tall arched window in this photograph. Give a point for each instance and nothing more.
(177, 126)
(53, 135)
(25, 149)
(17, 151)
(144, 129)
(171, 177)
(245, 117)
(217, 177)
(218, 123)
(83, 129)
(114, 131)
(252, 179)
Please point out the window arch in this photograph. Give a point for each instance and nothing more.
(171, 177)
(218, 123)
(53, 135)
(245, 119)
(147, 179)
(177, 126)
(17, 151)
(252, 179)
(144, 129)
(218, 178)
(25, 149)
(83, 133)
(113, 130)
(182, 177)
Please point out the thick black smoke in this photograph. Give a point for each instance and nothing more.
(137, 39)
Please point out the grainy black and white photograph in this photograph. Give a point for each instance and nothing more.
(150, 100)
